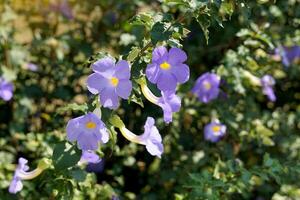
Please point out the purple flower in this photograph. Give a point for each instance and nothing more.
(6, 90)
(95, 167)
(207, 87)
(288, 54)
(170, 103)
(63, 8)
(214, 131)
(16, 184)
(87, 130)
(89, 157)
(22, 173)
(267, 82)
(110, 81)
(167, 68)
(150, 138)
(32, 67)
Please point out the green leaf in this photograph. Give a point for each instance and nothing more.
(73, 107)
(204, 22)
(78, 174)
(160, 32)
(133, 54)
(64, 157)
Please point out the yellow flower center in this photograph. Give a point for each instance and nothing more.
(207, 85)
(90, 125)
(216, 128)
(114, 81)
(165, 66)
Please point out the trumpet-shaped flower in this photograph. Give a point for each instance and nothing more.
(89, 157)
(150, 138)
(207, 87)
(214, 131)
(168, 68)
(169, 101)
(267, 83)
(288, 54)
(6, 90)
(87, 130)
(21, 173)
(110, 81)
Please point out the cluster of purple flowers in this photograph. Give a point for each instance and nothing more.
(112, 82)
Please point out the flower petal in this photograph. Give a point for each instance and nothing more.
(152, 72)
(155, 148)
(177, 56)
(159, 53)
(73, 129)
(104, 135)
(124, 88)
(15, 186)
(103, 64)
(166, 82)
(90, 157)
(109, 98)
(122, 70)
(96, 83)
(87, 141)
(182, 72)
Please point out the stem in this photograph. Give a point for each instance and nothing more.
(149, 95)
(131, 136)
(30, 175)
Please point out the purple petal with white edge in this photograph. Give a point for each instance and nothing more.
(122, 70)
(124, 88)
(87, 141)
(182, 72)
(90, 157)
(15, 186)
(109, 98)
(96, 83)
(176, 56)
(104, 135)
(103, 64)
(159, 53)
(152, 72)
(166, 82)
(155, 148)
(73, 129)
